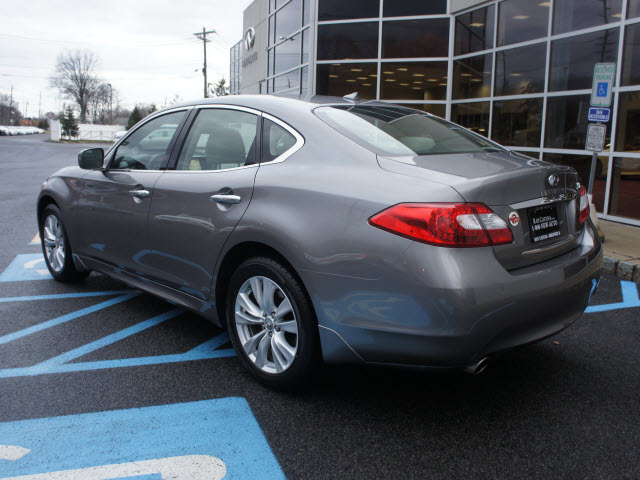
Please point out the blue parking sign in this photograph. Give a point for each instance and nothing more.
(602, 89)
(206, 440)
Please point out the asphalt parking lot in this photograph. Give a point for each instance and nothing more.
(97, 375)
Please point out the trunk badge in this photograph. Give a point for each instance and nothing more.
(553, 180)
(514, 218)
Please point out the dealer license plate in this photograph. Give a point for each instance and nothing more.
(544, 223)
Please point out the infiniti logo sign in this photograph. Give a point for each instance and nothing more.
(249, 38)
(553, 180)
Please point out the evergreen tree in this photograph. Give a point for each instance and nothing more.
(43, 124)
(135, 117)
(220, 89)
(69, 124)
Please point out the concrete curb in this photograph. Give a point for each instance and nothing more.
(623, 267)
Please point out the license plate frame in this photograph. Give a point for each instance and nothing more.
(544, 223)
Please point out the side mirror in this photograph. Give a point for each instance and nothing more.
(91, 158)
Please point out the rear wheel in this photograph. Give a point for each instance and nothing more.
(56, 248)
(271, 323)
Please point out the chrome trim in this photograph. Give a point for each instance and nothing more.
(341, 338)
(140, 193)
(550, 247)
(209, 106)
(232, 199)
(191, 172)
(298, 145)
(559, 197)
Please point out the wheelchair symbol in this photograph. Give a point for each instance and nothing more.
(187, 467)
(602, 89)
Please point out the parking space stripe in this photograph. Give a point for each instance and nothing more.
(65, 318)
(64, 295)
(629, 299)
(197, 353)
(109, 339)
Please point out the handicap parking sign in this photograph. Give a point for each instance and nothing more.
(206, 440)
(602, 89)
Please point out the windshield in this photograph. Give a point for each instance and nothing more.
(398, 131)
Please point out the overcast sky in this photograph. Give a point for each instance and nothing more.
(146, 47)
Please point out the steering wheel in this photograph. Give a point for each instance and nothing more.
(156, 161)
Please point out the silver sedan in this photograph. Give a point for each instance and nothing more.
(330, 230)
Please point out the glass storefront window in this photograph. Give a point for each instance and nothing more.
(633, 10)
(582, 164)
(305, 46)
(474, 31)
(631, 56)
(339, 79)
(522, 20)
(288, 20)
(405, 8)
(472, 77)
(305, 12)
(348, 41)
(517, 122)
(287, 54)
(343, 10)
(437, 109)
(520, 70)
(628, 136)
(570, 15)
(567, 123)
(304, 81)
(287, 81)
(573, 58)
(272, 30)
(414, 81)
(624, 199)
(415, 38)
(474, 116)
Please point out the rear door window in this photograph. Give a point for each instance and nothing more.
(276, 141)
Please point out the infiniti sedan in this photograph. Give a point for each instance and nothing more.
(332, 230)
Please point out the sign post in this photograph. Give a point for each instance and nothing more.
(601, 93)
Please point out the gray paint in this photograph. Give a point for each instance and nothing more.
(378, 297)
(255, 16)
(457, 5)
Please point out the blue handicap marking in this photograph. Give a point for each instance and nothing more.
(602, 89)
(29, 266)
(630, 299)
(205, 440)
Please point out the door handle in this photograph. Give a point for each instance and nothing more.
(139, 193)
(231, 199)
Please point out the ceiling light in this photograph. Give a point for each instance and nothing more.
(336, 64)
(481, 130)
(333, 76)
(442, 84)
(476, 80)
(404, 84)
(418, 74)
(389, 73)
(515, 74)
(373, 75)
(465, 74)
(416, 88)
(356, 69)
(351, 80)
(617, 15)
(417, 81)
(366, 84)
(544, 4)
(389, 79)
(521, 17)
(476, 24)
(363, 78)
(402, 69)
(432, 79)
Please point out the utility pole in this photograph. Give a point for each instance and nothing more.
(203, 36)
(39, 108)
(110, 104)
(10, 104)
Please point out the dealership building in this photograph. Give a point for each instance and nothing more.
(517, 71)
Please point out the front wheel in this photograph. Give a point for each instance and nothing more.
(56, 247)
(271, 323)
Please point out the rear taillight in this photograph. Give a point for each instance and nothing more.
(584, 204)
(445, 224)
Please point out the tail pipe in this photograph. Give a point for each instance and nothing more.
(477, 367)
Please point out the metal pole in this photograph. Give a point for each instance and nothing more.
(110, 104)
(592, 173)
(204, 70)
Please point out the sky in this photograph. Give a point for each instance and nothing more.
(146, 48)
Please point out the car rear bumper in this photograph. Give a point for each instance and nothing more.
(451, 307)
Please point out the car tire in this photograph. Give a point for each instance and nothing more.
(275, 341)
(56, 247)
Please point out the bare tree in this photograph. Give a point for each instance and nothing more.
(76, 78)
(101, 104)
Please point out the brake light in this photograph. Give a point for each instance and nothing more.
(445, 224)
(584, 204)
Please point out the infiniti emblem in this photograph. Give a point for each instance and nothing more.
(553, 180)
(249, 38)
(514, 218)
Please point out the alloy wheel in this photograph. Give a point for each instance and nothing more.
(54, 243)
(266, 324)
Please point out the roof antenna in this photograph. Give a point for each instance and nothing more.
(352, 96)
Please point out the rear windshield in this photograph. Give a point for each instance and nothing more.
(397, 131)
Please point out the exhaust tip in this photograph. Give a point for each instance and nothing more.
(478, 367)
